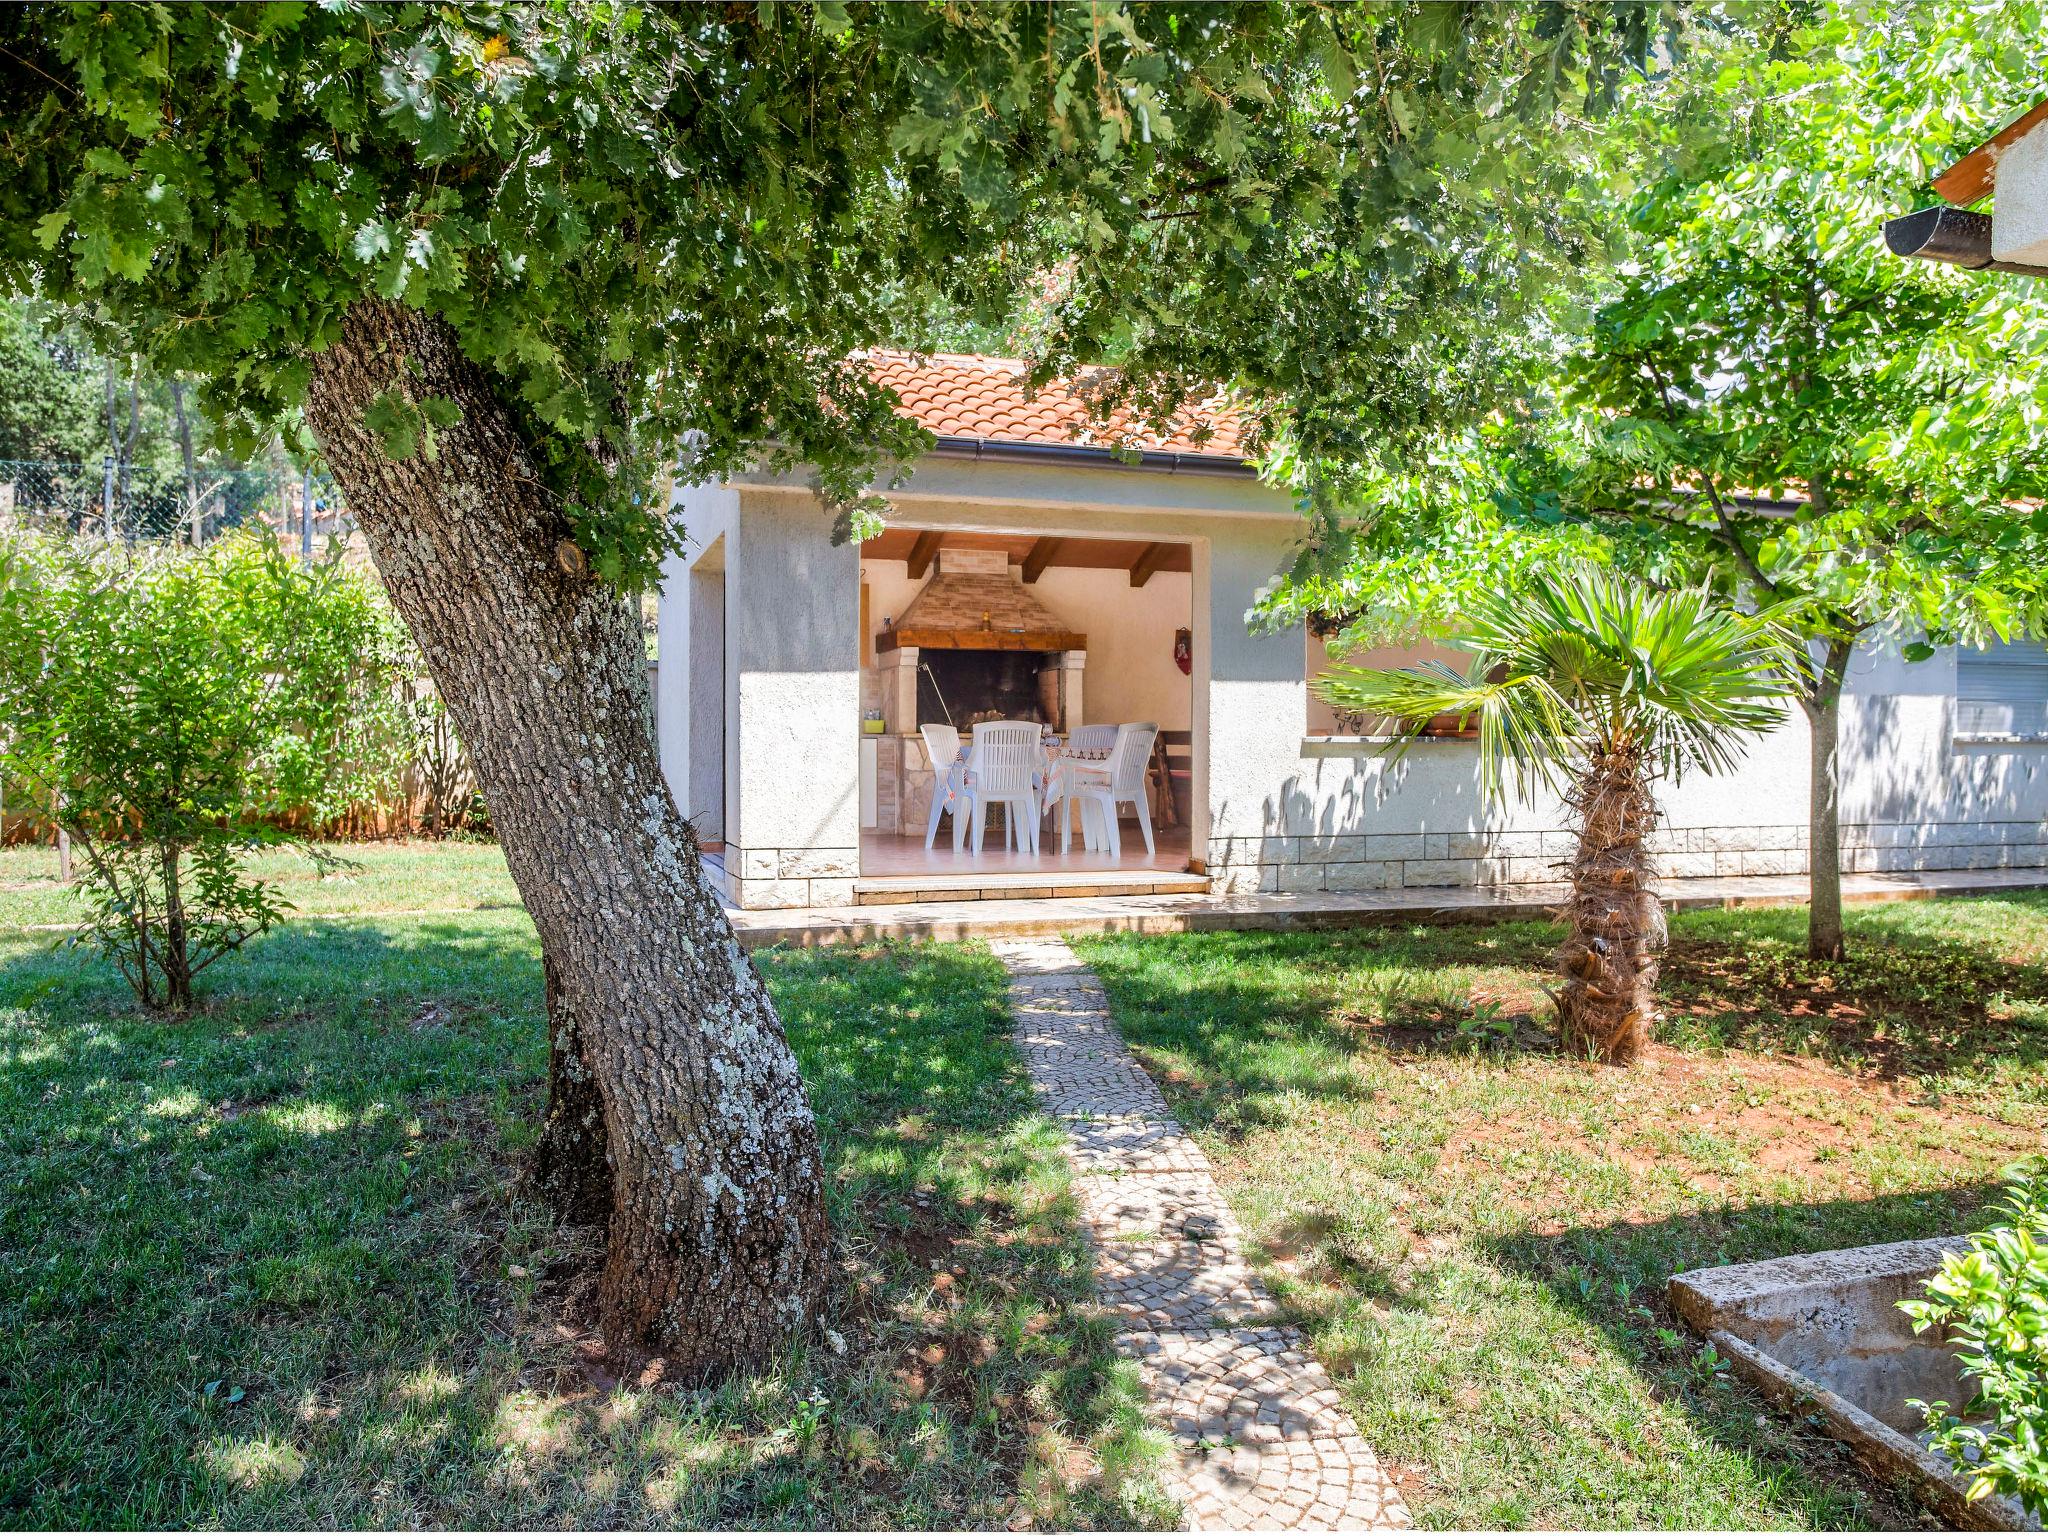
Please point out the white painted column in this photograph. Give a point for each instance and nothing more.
(1250, 705)
(792, 631)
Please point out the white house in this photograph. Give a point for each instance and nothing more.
(1028, 570)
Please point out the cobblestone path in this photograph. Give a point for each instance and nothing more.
(1260, 1439)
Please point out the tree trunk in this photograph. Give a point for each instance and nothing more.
(176, 957)
(1824, 936)
(1607, 1007)
(194, 519)
(716, 1248)
(570, 1171)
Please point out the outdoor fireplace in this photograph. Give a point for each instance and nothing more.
(963, 688)
(976, 645)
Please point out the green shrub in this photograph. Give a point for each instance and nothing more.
(174, 706)
(1992, 1303)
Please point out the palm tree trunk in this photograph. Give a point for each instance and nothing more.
(1607, 1006)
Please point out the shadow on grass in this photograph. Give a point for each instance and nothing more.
(1926, 990)
(265, 1265)
(1435, 1206)
(1236, 1022)
(1955, 991)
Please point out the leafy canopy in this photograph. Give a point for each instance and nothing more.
(647, 222)
(1767, 399)
(1586, 664)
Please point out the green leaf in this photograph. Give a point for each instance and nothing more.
(1340, 71)
(372, 239)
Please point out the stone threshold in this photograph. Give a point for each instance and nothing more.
(951, 917)
(892, 890)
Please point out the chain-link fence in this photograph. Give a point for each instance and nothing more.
(150, 501)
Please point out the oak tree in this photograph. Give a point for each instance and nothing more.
(506, 258)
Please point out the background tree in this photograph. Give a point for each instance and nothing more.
(506, 258)
(49, 404)
(1598, 686)
(173, 705)
(1767, 400)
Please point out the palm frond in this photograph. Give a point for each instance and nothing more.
(1585, 661)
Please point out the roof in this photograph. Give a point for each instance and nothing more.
(1977, 172)
(964, 397)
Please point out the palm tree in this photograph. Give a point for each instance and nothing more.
(1597, 686)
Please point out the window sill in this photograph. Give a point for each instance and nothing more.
(1999, 739)
(1344, 746)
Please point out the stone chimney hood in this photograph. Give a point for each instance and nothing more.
(973, 603)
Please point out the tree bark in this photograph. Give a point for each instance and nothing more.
(716, 1247)
(193, 518)
(570, 1171)
(1607, 1006)
(1824, 936)
(177, 959)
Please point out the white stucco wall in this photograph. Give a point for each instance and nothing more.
(1350, 815)
(792, 631)
(1276, 807)
(690, 662)
(2019, 203)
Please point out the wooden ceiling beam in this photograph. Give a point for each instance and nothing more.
(919, 560)
(1151, 558)
(1042, 553)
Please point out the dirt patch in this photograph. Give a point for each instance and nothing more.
(1707, 1123)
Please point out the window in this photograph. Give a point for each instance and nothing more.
(2002, 690)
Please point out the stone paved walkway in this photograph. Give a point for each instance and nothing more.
(1260, 1439)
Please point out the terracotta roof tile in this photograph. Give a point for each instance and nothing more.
(961, 395)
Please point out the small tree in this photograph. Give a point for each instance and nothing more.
(1766, 400)
(1598, 686)
(174, 704)
(1773, 402)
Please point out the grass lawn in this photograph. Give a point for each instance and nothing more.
(1476, 1233)
(265, 1267)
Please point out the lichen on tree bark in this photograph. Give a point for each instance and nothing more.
(716, 1240)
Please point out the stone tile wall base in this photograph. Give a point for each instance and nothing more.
(790, 877)
(1381, 861)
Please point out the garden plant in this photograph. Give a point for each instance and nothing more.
(1590, 682)
(1763, 398)
(1991, 1302)
(173, 706)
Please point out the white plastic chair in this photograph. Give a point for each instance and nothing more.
(1086, 741)
(1091, 738)
(1005, 759)
(1101, 788)
(1086, 744)
(942, 744)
